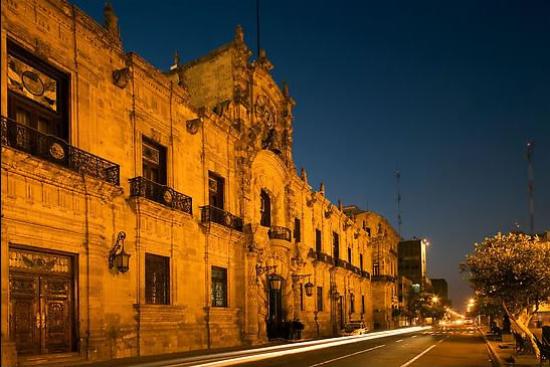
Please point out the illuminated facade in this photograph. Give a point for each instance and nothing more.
(383, 240)
(148, 212)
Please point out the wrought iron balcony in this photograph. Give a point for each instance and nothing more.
(320, 256)
(279, 233)
(210, 213)
(56, 150)
(167, 196)
(365, 274)
(344, 264)
(383, 278)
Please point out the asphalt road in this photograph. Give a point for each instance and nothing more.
(460, 346)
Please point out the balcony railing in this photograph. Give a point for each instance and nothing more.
(56, 150)
(365, 274)
(344, 264)
(383, 278)
(210, 213)
(279, 233)
(320, 256)
(167, 196)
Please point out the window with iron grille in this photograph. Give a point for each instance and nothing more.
(318, 243)
(265, 209)
(215, 190)
(219, 287)
(297, 230)
(157, 279)
(319, 298)
(153, 161)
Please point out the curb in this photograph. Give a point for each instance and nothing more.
(495, 359)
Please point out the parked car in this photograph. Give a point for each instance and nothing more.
(354, 328)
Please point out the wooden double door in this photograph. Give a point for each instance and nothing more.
(41, 305)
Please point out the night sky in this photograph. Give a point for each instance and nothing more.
(448, 92)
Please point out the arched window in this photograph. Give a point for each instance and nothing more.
(265, 209)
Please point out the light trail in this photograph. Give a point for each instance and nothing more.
(249, 355)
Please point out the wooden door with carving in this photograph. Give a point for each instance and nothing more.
(41, 302)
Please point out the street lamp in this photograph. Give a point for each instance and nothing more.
(275, 282)
(435, 299)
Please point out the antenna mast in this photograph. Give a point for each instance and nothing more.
(531, 185)
(398, 179)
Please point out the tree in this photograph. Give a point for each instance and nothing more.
(513, 270)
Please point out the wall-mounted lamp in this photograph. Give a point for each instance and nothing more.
(193, 125)
(117, 256)
(308, 286)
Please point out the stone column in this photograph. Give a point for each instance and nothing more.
(252, 329)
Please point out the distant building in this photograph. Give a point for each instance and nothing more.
(404, 289)
(440, 288)
(412, 261)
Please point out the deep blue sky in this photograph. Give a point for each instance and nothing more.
(448, 92)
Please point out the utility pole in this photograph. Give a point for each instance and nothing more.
(531, 185)
(398, 179)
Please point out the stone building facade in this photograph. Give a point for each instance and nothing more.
(384, 240)
(148, 212)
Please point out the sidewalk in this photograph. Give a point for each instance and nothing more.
(503, 353)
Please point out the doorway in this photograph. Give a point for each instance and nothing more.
(275, 313)
(41, 314)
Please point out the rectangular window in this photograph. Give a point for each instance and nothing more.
(335, 245)
(375, 269)
(265, 209)
(361, 262)
(153, 161)
(349, 255)
(38, 94)
(219, 287)
(319, 298)
(318, 244)
(352, 304)
(362, 304)
(215, 190)
(297, 230)
(157, 279)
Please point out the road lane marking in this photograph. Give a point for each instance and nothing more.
(257, 354)
(399, 341)
(347, 356)
(411, 361)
